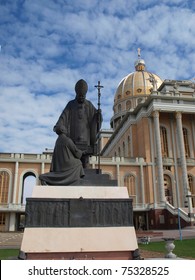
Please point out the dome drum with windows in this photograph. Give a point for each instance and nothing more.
(133, 89)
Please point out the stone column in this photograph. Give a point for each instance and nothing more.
(142, 181)
(153, 160)
(175, 163)
(131, 143)
(42, 167)
(193, 133)
(159, 156)
(183, 160)
(12, 222)
(15, 182)
(118, 171)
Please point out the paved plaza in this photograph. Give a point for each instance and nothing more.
(10, 240)
(186, 233)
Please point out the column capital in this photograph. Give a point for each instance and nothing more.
(155, 114)
(178, 115)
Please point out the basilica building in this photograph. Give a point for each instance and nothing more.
(150, 149)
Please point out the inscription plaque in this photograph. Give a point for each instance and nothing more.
(78, 212)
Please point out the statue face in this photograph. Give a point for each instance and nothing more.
(81, 90)
(80, 97)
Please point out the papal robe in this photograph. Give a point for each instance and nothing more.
(79, 122)
(66, 166)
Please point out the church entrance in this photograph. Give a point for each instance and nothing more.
(20, 222)
(140, 221)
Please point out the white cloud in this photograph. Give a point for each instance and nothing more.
(46, 46)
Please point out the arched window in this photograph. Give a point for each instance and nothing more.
(119, 108)
(124, 149)
(186, 142)
(190, 183)
(164, 142)
(129, 182)
(129, 146)
(128, 105)
(29, 181)
(4, 186)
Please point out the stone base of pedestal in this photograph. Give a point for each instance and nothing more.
(79, 223)
(79, 243)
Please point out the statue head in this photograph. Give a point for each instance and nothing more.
(81, 88)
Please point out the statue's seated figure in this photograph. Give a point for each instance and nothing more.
(80, 120)
(77, 128)
(66, 166)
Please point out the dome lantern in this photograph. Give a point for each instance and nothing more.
(139, 63)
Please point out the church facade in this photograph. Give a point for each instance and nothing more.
(150, 149)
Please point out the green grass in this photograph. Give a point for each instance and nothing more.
(183, 248)
(8, 253)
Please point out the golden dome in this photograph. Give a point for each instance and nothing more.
(134, 89)
(136, 83)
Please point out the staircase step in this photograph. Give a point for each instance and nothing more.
(94, 177)
(84, 182)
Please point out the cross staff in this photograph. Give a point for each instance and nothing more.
(98, 86)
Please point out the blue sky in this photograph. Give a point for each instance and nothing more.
(48, 45)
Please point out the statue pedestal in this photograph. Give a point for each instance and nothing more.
(79, 223)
